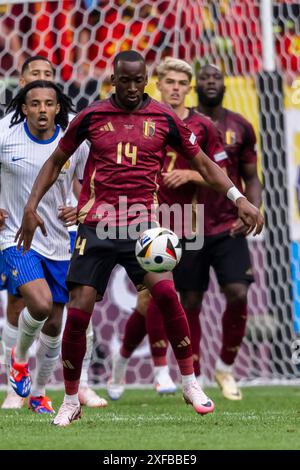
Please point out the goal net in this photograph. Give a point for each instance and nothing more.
(81, 39)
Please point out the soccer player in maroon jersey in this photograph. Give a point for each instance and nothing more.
(225, 247)
(178, 186)
(128, 135)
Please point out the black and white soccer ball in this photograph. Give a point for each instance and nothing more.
(158, 250)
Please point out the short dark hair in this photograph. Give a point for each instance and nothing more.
(32, 59)
(128, 56)
(65, 102)
(210, 64)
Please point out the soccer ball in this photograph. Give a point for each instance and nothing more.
(158, 250)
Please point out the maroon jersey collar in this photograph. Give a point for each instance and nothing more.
(191, 113)
(146, 101)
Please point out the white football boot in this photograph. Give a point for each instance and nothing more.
(12, 401)
(194, 395)
(163, 382)
(87, 397)
(116, 384)
(67, 413)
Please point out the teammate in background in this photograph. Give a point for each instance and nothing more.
(38, 68)
(128, 133)
(225, 247)
(179, 186)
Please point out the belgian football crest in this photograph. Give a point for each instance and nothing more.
(149, 128)
(230, 137)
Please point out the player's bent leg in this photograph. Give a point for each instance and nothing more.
(164, 295)
(47, 357)
(15, 305)
(192, 302)
(135, 331)
(37, 297)
(87, 396)
(74, 336)
(158, 340)
(135, 328)
(234, 325)
(81, 305)
(9, 338)
(116, 384)
(38, 300)
(26, 277)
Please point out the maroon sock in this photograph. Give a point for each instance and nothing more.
(176, 325)
(234, 325)
(195, 329)
(157, 335)
(135, 332)
(74, 347)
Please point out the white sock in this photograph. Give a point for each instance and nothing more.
(72, 399)
(47, 357)
(187, 379)
(88, 356)
(201, 380)
(220, 365)
(160, 370)
(119, 367)
(9, 339)
(28, 330)
(3, 299)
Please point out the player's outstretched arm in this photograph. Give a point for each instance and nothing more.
(45, 179)
(3, 217)
(176, 178)
(219, 181)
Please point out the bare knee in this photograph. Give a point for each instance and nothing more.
(38, 298)
(40, 307)
(83, 298)
(191, 300)
(14, 307)
(236, 293)
(52, 326)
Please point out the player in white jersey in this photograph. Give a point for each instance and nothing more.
(36, 68)
(40, 116)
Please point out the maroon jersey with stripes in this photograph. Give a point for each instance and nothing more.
(126, 154)
(240, 144)
(210, 141)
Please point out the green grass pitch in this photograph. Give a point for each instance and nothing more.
(267, 418)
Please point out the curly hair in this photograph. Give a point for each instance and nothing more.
(63, 100)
